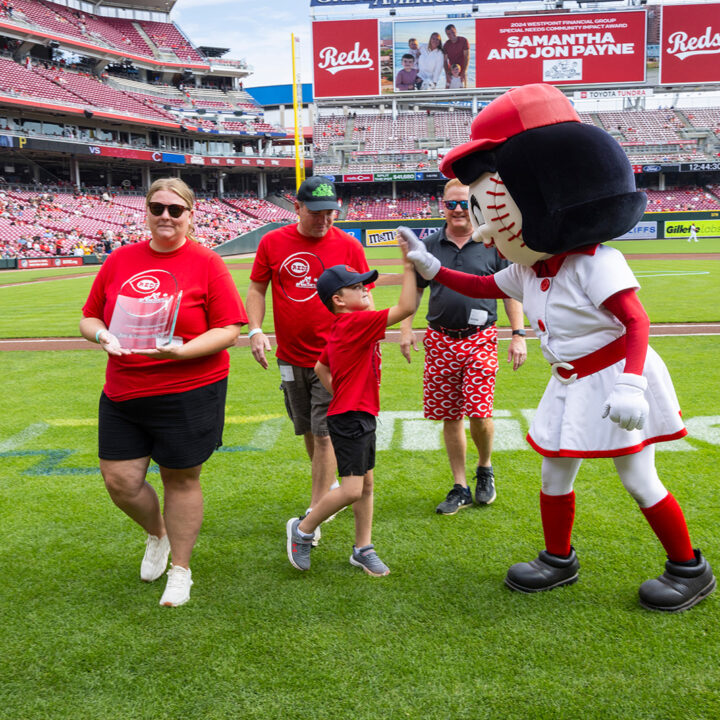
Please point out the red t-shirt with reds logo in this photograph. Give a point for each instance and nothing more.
(209, 300)
(353, 356)
(294, 262)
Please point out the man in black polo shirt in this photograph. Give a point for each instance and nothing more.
(461, 350)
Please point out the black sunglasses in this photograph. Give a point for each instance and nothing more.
(157, 209)
(452, 204)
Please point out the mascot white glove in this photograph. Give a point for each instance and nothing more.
(626, 404)
(425, 263)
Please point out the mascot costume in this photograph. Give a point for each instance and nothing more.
(546, 190)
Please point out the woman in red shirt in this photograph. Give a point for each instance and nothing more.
(164, 398)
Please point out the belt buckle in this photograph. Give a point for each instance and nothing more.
(565, 366)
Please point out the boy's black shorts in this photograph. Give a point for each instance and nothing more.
(178, 430)
(353, 438)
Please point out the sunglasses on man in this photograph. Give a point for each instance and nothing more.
(175, 211)
(452, 204)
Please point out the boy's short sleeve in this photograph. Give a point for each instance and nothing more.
(323, 359)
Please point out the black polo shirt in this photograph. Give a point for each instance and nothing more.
(447, 307)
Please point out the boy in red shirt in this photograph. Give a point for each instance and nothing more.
(349, 368)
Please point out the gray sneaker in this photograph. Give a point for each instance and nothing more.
(485, 488)
(367, 559)
(457, 499)
(298, 547)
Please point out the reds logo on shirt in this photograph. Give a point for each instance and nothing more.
(298, 276)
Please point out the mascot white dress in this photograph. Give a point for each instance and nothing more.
(546, 190)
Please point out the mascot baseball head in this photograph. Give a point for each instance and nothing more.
(541, 181)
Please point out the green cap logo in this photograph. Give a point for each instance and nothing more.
(323, 191)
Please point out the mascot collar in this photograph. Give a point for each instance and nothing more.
(551, 266)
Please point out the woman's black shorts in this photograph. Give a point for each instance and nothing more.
(179, 430)
(353, 438)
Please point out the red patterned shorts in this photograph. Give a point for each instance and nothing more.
(459, 378)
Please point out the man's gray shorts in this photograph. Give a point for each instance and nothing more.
(306, 400)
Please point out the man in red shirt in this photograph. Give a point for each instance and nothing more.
(292, 258)
(457, 52)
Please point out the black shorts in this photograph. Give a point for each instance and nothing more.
(353, 438)
(179, 430)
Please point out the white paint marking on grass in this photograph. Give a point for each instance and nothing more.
(677, 273)
(705, 428)
(267, 434)
(421, 435)
(29, 433)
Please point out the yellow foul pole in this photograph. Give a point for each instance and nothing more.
(297, 109)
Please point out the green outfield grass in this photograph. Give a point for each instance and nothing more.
(441, 637)
(672, 291)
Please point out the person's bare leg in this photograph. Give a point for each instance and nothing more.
(456, 448)
(129, 489)
(183, 510)
(482, 432)
(349, 492)
(323, 465)
(363, 511)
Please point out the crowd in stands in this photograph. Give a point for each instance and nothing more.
(39, 224)
(647, 136)
(35, 224)
(375, 207)
(679, 199)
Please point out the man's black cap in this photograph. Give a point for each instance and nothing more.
(318, 193)
(341, 276)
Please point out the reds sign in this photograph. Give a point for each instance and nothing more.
(346, 58)
(690, 44)
(577, 48)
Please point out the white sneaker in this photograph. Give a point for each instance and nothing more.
(336, 484)
(155, 561)
(317, 535)
(177, 591)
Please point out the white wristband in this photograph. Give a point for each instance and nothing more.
(254, 331)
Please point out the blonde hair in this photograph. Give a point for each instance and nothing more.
(180, 188)
(451, 184)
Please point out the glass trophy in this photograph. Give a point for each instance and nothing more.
(146, 311)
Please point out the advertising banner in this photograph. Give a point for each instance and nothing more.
(47, 262)
(681, 228)
(574, 48)
(690, 44)
(378, 177)
(346, 58)
(358, 177)
(644, 230)
(378, 238)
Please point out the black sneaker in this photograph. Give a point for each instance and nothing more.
(457, 499)
(485, 488)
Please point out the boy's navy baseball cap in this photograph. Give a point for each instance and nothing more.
(318, 193)
(340, 276)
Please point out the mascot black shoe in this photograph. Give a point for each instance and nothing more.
(546, 572)
(679, 587)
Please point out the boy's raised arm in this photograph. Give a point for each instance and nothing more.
(407, 304)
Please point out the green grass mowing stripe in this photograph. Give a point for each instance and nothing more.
(441, 637)
(54, 309)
